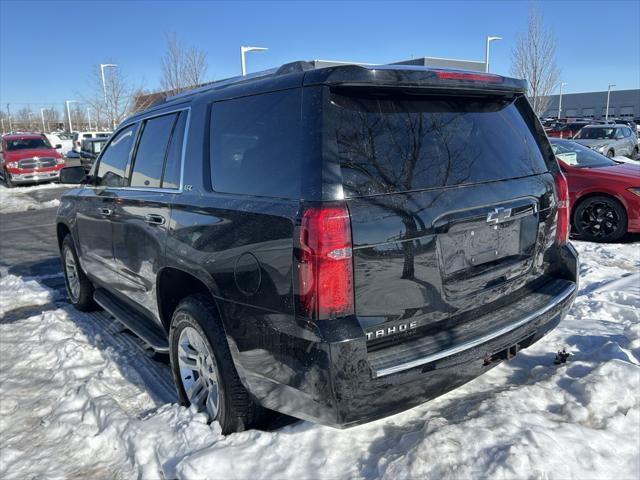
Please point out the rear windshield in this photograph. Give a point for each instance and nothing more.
(387, 144)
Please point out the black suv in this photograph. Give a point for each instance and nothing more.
(337, 244)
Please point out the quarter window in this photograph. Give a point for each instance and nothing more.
(171, 178)
(114, 160)
(255, 145)
(152, 149)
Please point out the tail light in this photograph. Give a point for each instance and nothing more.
(562, 198)
(325, 264)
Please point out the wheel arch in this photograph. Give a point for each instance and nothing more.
(589, 195)
(173, 285)
(62, 230)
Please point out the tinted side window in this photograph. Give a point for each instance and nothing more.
(149, 161)
(255, 145)
(171, 178)
(400, 143)
(626, 132)
(111, 170)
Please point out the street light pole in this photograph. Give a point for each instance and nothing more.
(243, 50)
(606, 115)
(67, 102)
(42, 115)
(486, 52)
(104, 90)
(562, 84)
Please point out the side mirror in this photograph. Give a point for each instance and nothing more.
(73, 175)
(58, 145)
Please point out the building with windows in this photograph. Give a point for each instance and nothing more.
(622, 104)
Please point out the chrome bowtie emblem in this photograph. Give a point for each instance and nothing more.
(498, 215)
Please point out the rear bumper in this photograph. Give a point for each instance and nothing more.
(335, 381)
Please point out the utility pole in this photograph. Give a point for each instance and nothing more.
(562, 84)
(104, 91)
(486, 52)
(243, 50)
(42, 115)
(67, 102)
(606, 115)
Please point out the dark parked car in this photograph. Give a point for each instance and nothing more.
(337, 244)
(604, 195)
(89, 151)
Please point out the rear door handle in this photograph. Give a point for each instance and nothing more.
(154, 219)
(106, 212)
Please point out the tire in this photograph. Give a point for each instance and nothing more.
(196, 316)
(79, 287)
(600, 219)
(7, 180)
(634, 154)
(610, 154)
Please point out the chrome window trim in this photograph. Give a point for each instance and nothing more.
(183, 153)
(557, 300)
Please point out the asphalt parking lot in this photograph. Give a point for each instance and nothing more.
(28, 242)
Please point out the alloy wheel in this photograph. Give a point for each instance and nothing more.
(198, 371)
(599, 219)
(71, 272)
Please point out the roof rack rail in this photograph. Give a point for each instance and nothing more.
(292, 67)
(222, 83)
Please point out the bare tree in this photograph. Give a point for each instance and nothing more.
(24, 119)
(533, 59)
(112, 103)
(51, 118)
(182, 68)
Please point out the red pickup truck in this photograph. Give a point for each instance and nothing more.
(27, 158)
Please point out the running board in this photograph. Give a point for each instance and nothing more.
(138, 324)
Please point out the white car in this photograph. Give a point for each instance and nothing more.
(62, 142)
(79, 136)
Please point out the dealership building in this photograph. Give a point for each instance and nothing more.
(622, 104)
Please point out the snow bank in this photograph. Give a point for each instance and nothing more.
(17, 199)
(74, 406)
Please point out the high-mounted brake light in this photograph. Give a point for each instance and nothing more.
(562, 200)
(474, 77)
(325, 265)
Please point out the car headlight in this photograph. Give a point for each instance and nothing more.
(635, 190)
(12, 164)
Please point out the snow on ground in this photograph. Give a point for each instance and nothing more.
(17, 199)
(77, 402)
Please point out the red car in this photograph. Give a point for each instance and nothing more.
(604, 195)
(27, 158)
(565, 129)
